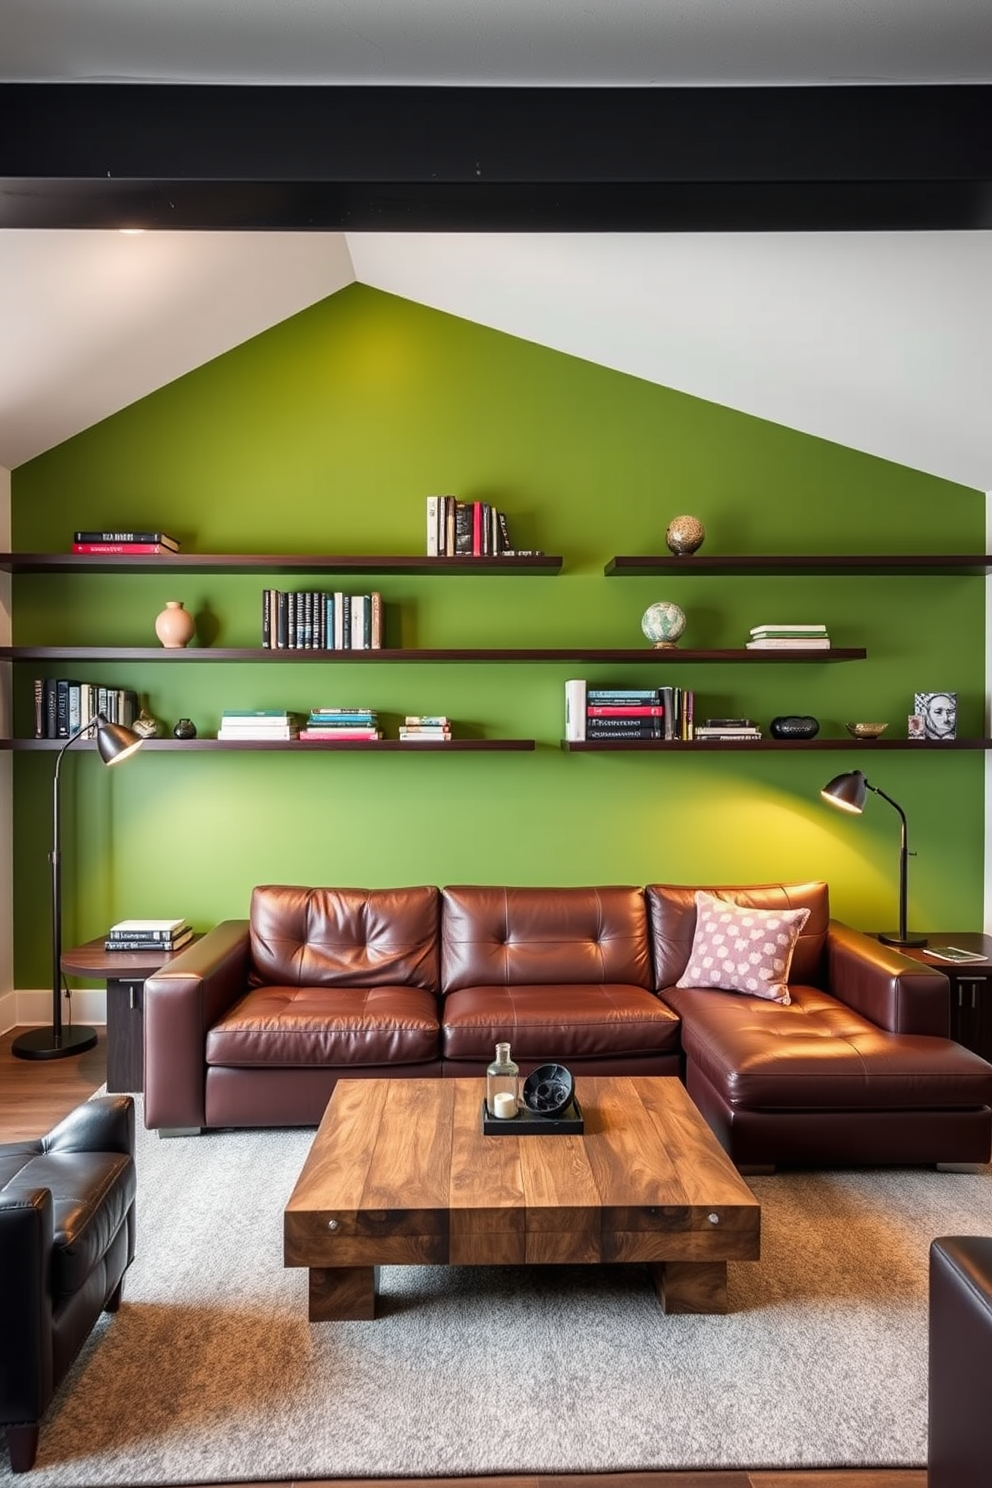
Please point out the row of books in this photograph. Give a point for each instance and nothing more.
(321, 620)
(148, 935)
(664, 713)
(789, 638)
(62, 705)
(140, 542)
(729, 730)
(469, 529)
(339, 724)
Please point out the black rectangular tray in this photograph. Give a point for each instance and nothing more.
(529, 1123)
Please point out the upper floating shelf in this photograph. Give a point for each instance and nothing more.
(262, 563)
(875, 564)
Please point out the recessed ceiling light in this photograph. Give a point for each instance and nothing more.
(131, 232)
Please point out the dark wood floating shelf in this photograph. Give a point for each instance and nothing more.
(877, 564)
(290, 654)
(754, 746)
(305, 746)
(262, 563)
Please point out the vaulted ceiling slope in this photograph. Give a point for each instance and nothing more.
(877, 341)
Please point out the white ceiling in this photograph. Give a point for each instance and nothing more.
(879, 341)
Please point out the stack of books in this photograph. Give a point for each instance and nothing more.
(789, 638)
(148, 935)
(258, 723)
(321, 620)
(421, 727)
(124, 542)
(625, 713)
(339, 724)
(730, 730)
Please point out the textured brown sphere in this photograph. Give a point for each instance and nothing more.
(685, 535)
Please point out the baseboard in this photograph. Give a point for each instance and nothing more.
(32, 1008)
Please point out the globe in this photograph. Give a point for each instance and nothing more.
(663, 623)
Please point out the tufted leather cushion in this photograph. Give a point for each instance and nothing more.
(357, 938)
(327, 1026)
(551, 1024)
(672, 908)
(553, 938)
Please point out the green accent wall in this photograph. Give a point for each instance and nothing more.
(326, 434)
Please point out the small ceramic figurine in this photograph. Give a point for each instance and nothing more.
(145, 726)
(185, 729)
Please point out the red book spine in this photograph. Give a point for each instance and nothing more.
(96, 547)
(645, 711)
(476, 529)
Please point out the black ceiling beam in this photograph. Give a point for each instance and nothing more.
(515, 159)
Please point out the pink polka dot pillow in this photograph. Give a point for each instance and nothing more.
(742, 950)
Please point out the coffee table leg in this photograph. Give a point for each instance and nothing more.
(343, 1294)
(690, 1286)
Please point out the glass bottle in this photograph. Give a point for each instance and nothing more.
(502, 1077)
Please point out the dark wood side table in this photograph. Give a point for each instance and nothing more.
(971, 986)
(124, 973)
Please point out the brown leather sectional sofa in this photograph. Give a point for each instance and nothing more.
(253, 1025)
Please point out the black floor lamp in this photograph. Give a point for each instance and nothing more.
(115, 743)
(849, 792)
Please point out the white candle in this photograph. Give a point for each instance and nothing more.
(506, 1105)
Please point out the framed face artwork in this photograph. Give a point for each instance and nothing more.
(939, 711)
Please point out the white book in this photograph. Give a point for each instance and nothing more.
(575, 710)
(148, 927)
(432, 504)
(790, 629)
(787, 643)
(358, 603)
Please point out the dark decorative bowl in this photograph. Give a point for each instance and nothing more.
(794, 726)
(549, 1090)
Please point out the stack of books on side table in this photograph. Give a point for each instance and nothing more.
(336, 725)
(420, 727)
(148, 935)
(130, 542)
(789, 638)
(258, 723)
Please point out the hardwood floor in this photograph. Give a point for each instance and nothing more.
(34, 1094)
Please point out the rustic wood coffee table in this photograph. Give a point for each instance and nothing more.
(400, 1174)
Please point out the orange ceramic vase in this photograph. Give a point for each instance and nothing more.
(174, 626)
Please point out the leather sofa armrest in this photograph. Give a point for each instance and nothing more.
(103, 1124)
(959, 1451)
(182, 1001)
(27, 1231)
(892, 990)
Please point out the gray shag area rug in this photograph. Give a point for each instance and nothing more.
(210, 1372)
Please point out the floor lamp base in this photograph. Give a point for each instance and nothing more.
(893, 938)
(41, 1043)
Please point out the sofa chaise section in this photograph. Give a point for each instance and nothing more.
(857, 1068)
(254, 1024)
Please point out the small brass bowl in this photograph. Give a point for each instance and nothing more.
(866, 730)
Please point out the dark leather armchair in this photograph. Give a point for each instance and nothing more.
(66, 1239)
(960, 1430)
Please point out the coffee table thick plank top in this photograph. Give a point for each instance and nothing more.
(400, 1174)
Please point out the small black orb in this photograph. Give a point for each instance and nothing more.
(794, 726)
(549, 1090)
(185, 729)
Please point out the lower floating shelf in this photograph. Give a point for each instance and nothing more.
(303, 746)
(752, 746)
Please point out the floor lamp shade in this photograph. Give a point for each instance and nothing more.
(114, 743)
(849, 792)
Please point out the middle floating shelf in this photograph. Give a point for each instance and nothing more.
(646, 655)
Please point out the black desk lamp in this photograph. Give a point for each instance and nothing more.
(849, 792)
(115, 742)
